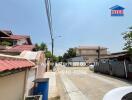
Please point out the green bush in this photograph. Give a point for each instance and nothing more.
(5, 43)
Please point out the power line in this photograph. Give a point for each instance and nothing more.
(49, 17)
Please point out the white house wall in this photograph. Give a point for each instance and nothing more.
(82, 63)
(41, 69)
(22, 41)
(12, 86)
(30, 79)
(77, 64)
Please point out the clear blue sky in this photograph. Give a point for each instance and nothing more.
(79, 22)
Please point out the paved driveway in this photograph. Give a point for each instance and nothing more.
(79, 83)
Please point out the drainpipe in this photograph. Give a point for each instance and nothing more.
(25, 82)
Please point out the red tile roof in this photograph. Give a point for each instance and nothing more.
(9, 32)
(4, 34)
(16, 37)
(8, 63)
(20, 48)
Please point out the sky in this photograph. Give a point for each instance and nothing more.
(78, 22)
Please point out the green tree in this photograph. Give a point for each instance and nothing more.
(48, 54)
(55, 59)
(6, 43)
(69, 54)
(60, 58)
(127, 36)
(43, 46)
(65, 57)
(36, 47)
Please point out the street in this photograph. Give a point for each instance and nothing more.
(79, 83)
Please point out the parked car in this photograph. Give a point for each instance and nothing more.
(121, 93)
(91, 66)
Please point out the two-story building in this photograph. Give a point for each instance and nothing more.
(14, 44)
(90, 53)
(8, 36)
(18, 68)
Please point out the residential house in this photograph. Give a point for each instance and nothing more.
(16, 76)
(15, 39)
(14, 44)
(90, 53)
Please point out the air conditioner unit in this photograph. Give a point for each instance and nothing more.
(33, 97)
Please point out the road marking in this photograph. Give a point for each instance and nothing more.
(72, 90)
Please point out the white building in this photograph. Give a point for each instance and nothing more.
(90, 53)
(16, 76)
(76, 62)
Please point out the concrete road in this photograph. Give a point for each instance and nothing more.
(79, 83)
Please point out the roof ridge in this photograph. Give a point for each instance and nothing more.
(10, 56)
(117, 6)
(19, 35)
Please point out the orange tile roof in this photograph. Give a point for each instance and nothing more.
(20, 48)
(10, 63)
(16, 37)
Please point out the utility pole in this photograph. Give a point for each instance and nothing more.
(52, 48)
(98, 53)
(52, 40)
(49, 18)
